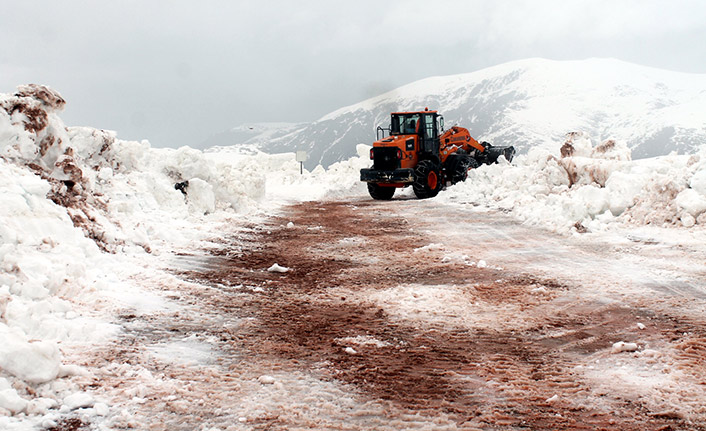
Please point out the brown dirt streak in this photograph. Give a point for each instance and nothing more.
(423, 370)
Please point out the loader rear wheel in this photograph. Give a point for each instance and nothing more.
(427, 180)
(380, 193)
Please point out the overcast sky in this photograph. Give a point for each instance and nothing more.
(176, 72)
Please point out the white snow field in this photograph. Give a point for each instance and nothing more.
(89, 224)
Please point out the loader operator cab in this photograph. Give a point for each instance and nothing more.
(426, 124)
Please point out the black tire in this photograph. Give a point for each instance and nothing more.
(459, 170)
(380, 193)
(427, 179)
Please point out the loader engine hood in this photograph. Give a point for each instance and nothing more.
(393, 141)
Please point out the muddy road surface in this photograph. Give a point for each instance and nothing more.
(397, 315)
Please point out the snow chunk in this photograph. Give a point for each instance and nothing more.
(290, 225)
(698, 181)
(482, 264)
(200, 196)
(51, 99)
(640, 325)
(612, 150)
(9, 399)
(34, 362)
(622, 346)
(350, 350)
(577, 144)
(266, 380)
(553, 398)
(78, 400)
(687, 220)
(691, 201)
(277, 268)
(622, 190)
(40, 405)
(101, 409)
(430, 247)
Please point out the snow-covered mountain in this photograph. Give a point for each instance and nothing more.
(253, 134)
(525, 103)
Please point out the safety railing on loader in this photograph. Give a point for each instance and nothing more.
(381, 131)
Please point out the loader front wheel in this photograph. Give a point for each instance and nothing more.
(427, 180)
(461, 167)
(378, 192)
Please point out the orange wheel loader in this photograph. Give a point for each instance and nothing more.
(418, 152)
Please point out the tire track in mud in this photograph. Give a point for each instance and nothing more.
(503, 375)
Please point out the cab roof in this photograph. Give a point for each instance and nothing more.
(414, 112)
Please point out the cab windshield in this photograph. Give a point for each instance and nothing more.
(404, 124)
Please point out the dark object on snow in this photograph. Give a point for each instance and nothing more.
(182, 186)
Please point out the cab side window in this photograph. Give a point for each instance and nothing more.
(429, 126)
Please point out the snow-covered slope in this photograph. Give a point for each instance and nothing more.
(529, 103)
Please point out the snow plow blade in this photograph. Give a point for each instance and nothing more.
(492, 153)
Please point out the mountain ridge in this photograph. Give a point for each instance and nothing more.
(524, 103)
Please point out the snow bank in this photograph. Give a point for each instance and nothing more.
(286, 181)
(586, 187)
(69, 195)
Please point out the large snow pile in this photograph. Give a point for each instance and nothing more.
(585, 187)
(77, 204)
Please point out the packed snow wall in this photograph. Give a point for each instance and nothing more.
(581, 187)
(71, 196)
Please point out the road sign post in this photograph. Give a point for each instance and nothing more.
(301, 158)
